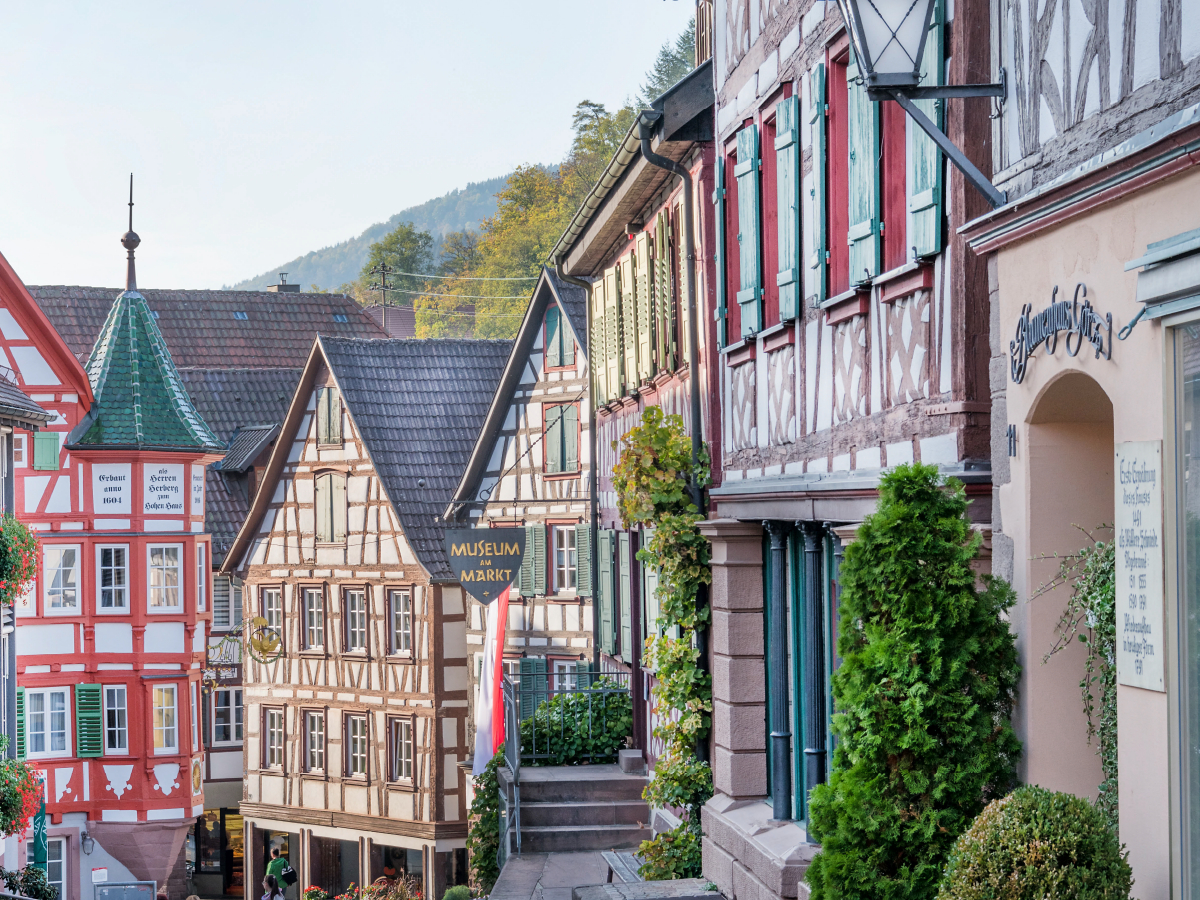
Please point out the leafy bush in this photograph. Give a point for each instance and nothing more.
(458, 892)
(583, 727)
(673, 854)
(1036, 843)
(924, 695)
(312, 892)
(29, 882)
(680, 782)
(483, 830)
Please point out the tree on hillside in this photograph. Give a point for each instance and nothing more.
(673, 62)
(404, 249)
(460, 253)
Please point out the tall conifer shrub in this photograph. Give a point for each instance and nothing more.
(923, 697)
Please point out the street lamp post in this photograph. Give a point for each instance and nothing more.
(888, 38)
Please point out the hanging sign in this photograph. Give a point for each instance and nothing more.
(1139, 554)
(1079, 321)
(485, 560)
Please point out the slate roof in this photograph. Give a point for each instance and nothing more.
(15, 406)
(573, 300)
(140, 399)
(246, 445)
(418, 406)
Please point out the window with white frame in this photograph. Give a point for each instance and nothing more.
(314, 619)
(48, 728)
(235, 602)
(201, 577)
(356, 746)
(112, 578)
(563, 538)
(61, 580)
(19, 451)
(227, 716)
(401, 607)
(55, 857)
(166, 720)
(402, 749)
(356, 620)
(221, 591)
(314, 741)
(116, 719)
(564, 675)
(273, 744)
(195, 720)
(164, 583)
(272, 609)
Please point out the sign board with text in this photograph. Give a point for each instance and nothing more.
(1139, 552)
(485, 560)
(112, 486)
(162, 489)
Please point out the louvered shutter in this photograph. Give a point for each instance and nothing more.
(626, 596)
(566, 340)
(681, 312)
(338, 483)
(89, 721)
(863, 168)
(553, 347)
(650, 591)
(584, 675)
(324, 507)
(570, 437)
(925, 166)
(629, 326)
(525, 582)
(539, 560)
(817, 222)
(583, 560)
(664, 294)
(322, 415)
(718, 198)
(553, 439)
(750, 295)
(613, 333)
(645, 306)
(45, 450)
(335, 416)
(598, 361)
(787, 167)
(534, 689)
(604, 549)
(21, 748)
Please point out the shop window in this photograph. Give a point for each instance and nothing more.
(356, 746)
(116, 720)
(61, 578)
(164, 594)
(273, 738)
(562, 439)
(565, 558)
(166, 719)
(227, 716)
(356, 620)
(47, 725)
(331, 507)
(401, 739)
(329, 417)
(401, 619)
(314, 619)
(112, 578)
(314, 741)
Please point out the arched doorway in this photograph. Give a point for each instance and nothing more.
(1070, 464)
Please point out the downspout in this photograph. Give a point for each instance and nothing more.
(593, 476)
(646, 122)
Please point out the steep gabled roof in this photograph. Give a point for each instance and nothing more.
(245, 446)
(17, 410)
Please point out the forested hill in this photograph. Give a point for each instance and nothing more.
(333, 266)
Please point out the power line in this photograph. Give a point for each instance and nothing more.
(438, 312)
(461, 296)
(465, 278)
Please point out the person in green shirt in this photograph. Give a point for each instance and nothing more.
(277, 864)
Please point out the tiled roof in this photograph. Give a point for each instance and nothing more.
(15, 406)
(246, 445)
(397, 321)
(418, 406)
(206, 329)
(140, 399)
(573, 300)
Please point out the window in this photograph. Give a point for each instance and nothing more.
(47, 723)
(331, 507)
(45, 450)
(273, 738)
(241, 316)
(116, 720)
(227, 602)
(54, 861)
(563, 538)
(402, 749)
(356, 746)
(164, 594)
(61, 578)
(329, 416)
(272, 609)
(560, 347)
(356, 620)
(235, 601)
(564, 675)
(112, 578)
(314, 741)
(227, 716)
(314, 619)
(19, 451)
(166, 725)
(562, 439)
(195, 721)
(201, 577)
(401, 603)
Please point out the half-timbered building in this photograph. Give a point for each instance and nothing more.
(355, 731)
(530, 469)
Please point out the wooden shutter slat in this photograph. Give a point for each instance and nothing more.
(604, 548)
(626, 596)
(863, 168)
(643, 280)
(539, 560)
(583, 560)
(613, 335)
(746, 171)
(924, 164)
(89, 731)
(818, 225)
(338, 495)
(21, 748)
(787, 167)
(570, 437)
(553, 348)
(525, 583)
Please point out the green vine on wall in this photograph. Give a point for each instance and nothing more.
(653, 480)
(1090, 616)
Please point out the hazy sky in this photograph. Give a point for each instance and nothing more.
(257, 131)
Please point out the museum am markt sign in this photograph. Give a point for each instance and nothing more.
(485, 560)
(1078, 321)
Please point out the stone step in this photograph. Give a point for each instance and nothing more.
(589, 812)
(571, 784)
(559, 838)
(680, 889)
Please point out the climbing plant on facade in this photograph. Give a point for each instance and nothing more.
(653, 480)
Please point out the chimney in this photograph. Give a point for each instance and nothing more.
(283, 287)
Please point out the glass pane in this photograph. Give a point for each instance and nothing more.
(1188, 437)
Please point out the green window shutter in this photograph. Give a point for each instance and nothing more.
(45, 450)
(863, 168)
(626, 597)
(604, 549)
(583, 560)
(553, 338)
(21, 723)
(681, 316)
(925, 167)
(584, 675)
(750, 295)
(664, 294)
(338, 502)
(817, 222)
(553, 439)
(787, 166)
(598, 362)
(612, 335)
(89, 722)
(335, 416)
(645, 306)
(534, 688)
(570, 433)
(650, 592)
(566, 341)
(629, 326)
(539, 560)
(525, 581)
(718, 199)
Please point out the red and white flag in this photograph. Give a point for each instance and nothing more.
(489, 703)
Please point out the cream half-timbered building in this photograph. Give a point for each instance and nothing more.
(355, 732)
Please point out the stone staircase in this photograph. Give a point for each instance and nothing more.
(565, 808)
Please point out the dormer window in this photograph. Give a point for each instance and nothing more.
(329, 417)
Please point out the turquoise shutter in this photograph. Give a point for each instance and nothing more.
(534, 689)
(45, 450)
(584, 677)
(21, 723)
(925, 168)
(645, 306)
(604, 548)
(525, 579)
(613, 335)
(863, 167)
(539, 560)
(566, 339)
(787, 168)
(553, 338)
(569, 424)
(817, 221)
(626, 597)
(583, 560)
(89, 723)
(718, 199)
(598, 361)
(750, 295)
(553, 439)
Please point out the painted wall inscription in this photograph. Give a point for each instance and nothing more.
(1139, 553)
(112, 486)
(162, 490)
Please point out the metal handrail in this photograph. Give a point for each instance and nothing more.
(596, 692)
(512, 758)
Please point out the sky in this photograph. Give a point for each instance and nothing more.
(257, 131)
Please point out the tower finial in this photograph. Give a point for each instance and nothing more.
(130, 242)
